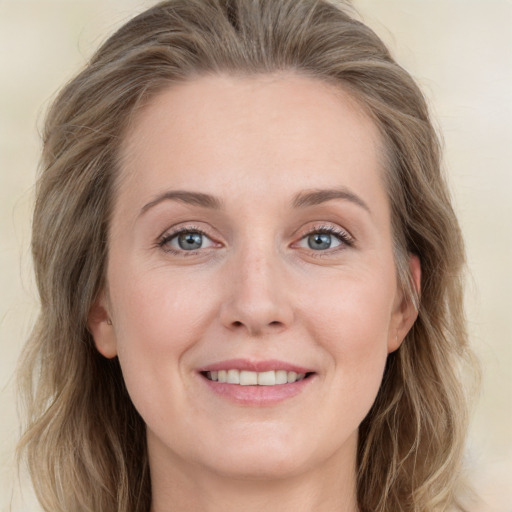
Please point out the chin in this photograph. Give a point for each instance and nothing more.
(273, 457)
(258, 467)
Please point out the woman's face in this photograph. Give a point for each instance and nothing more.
(251, 240)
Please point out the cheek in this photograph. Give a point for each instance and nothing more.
(157, 320)
(355, 308)
(352, 323)
(157, 311)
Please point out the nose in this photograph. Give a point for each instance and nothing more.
(258, 298)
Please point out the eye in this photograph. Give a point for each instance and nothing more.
(186, 240)
(325, 238)
(321, 241)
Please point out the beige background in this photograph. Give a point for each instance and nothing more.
(461, 53)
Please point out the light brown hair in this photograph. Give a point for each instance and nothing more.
(84, 441)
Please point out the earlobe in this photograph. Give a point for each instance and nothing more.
(406, 310)
(102, 330)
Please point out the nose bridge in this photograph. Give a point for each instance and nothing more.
(257, 298)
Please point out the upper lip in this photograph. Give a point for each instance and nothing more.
(254, 366)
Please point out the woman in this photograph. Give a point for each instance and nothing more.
(250, 273)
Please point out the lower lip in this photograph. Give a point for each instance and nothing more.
(258, 396)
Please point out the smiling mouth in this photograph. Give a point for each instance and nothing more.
(250, 378)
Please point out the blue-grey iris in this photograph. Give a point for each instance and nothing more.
(190, 241)
(319, 241)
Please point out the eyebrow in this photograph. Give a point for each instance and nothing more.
(184, 196)
(319, 196)
(301, 200)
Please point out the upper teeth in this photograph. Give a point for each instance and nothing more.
(246, 378)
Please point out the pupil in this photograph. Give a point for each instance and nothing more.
(190, 241)
(319, 241)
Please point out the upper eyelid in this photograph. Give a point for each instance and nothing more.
(183, 228)
(327, 228)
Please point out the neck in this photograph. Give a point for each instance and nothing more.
(180, 487)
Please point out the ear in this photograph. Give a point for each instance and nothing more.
(405, 310)
(101, 328)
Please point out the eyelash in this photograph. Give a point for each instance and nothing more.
(343, 236)
(167, 237)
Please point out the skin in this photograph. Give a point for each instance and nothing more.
(254, 290)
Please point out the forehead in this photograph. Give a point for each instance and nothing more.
(283, 128)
